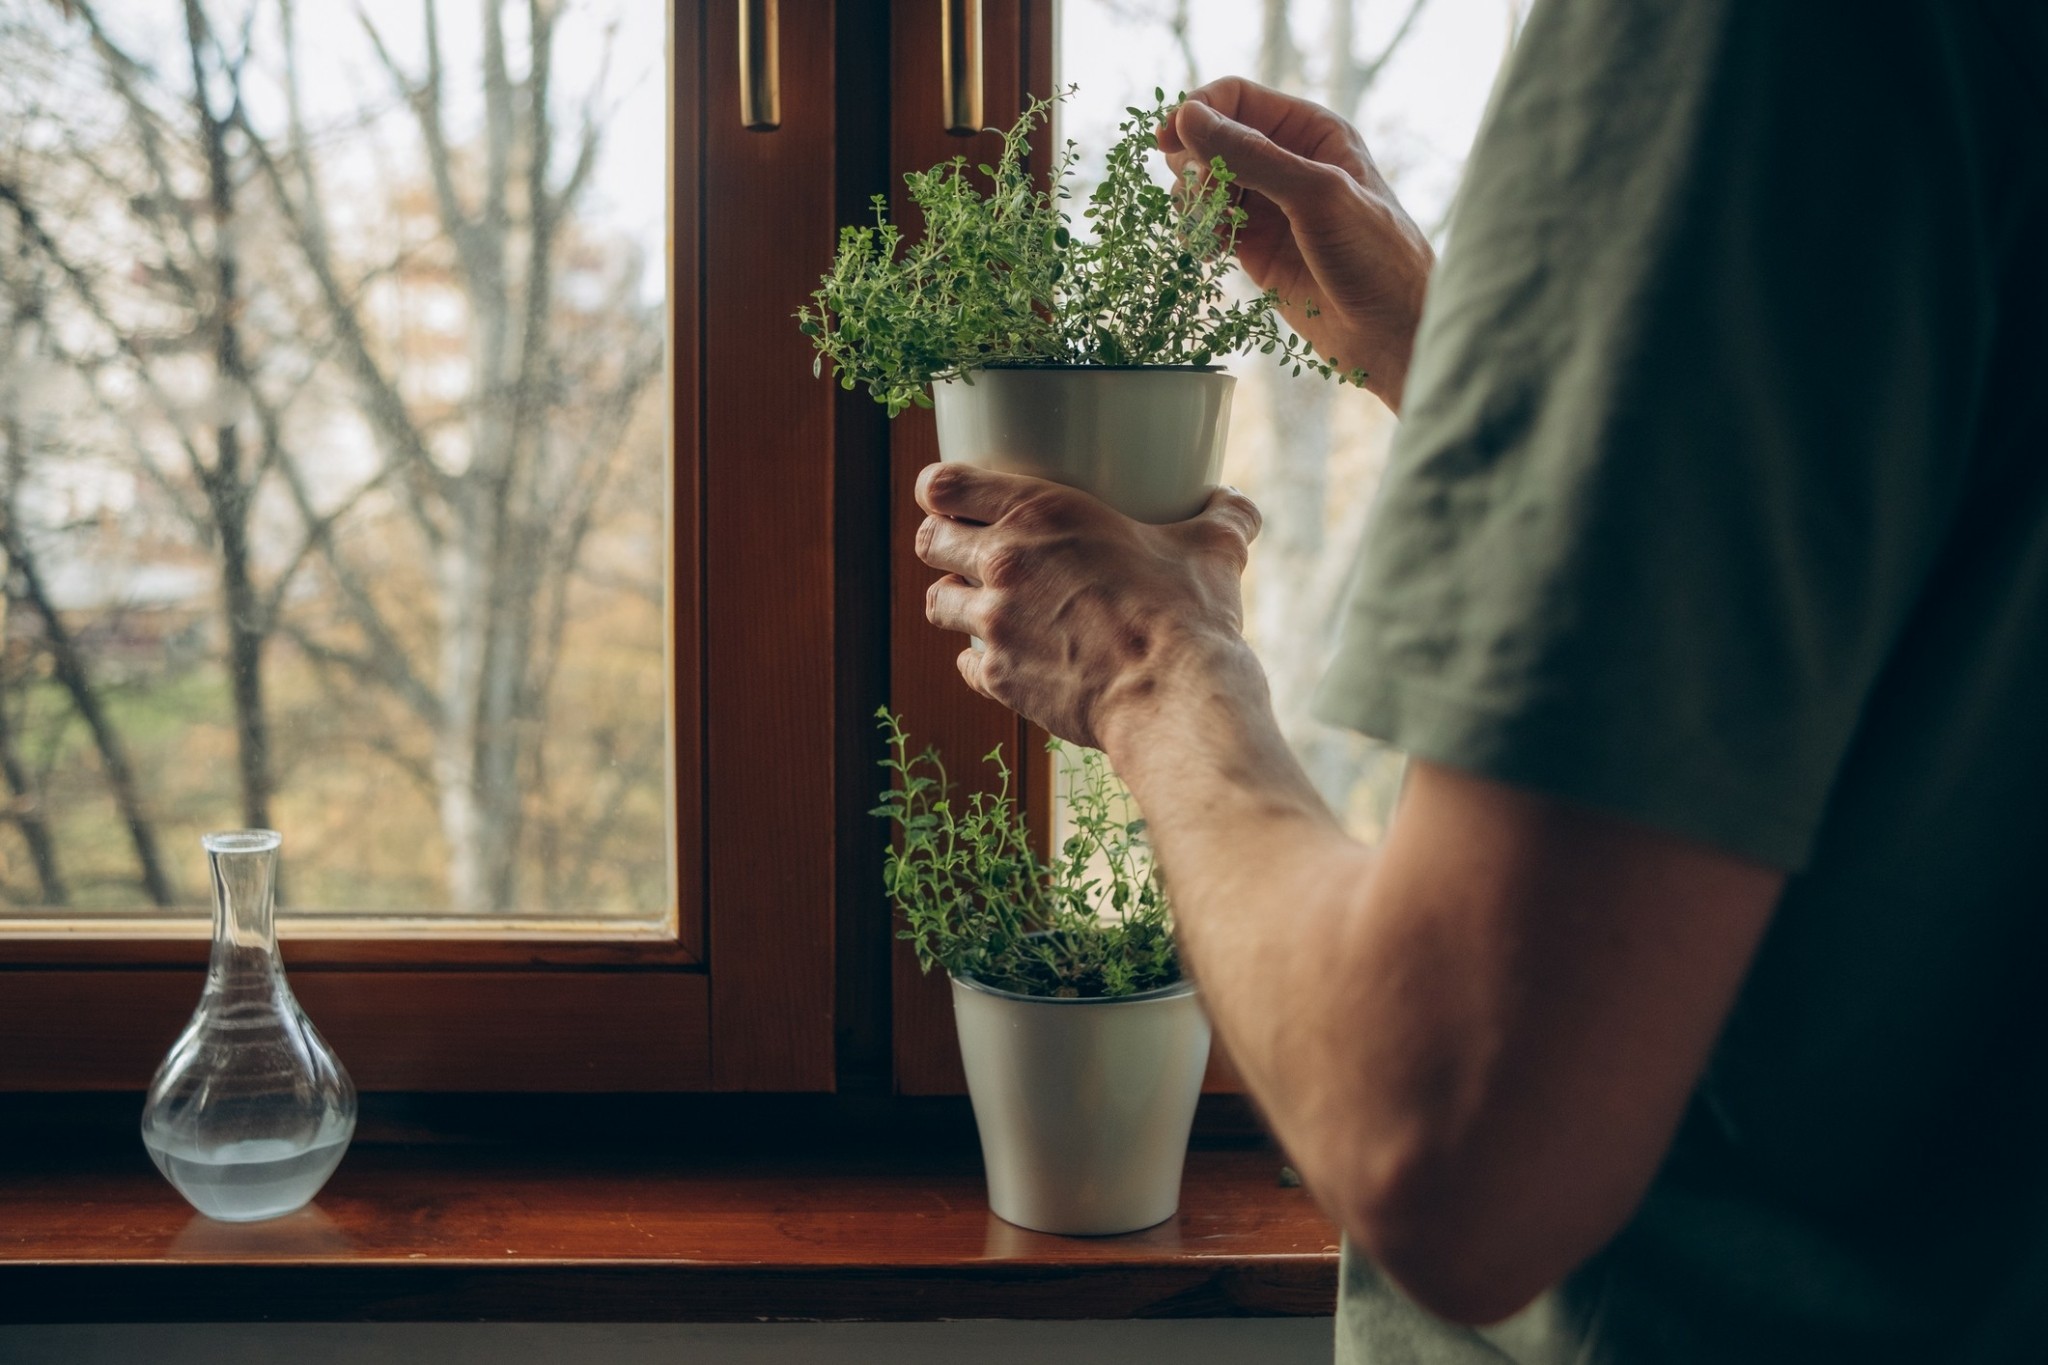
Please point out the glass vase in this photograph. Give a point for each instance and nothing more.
(251, 1110)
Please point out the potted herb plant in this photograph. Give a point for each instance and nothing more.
(1085, 359)
(1084, 1044)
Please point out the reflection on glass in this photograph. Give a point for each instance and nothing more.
(332, 453)
(1414, 76)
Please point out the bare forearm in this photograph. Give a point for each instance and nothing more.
(1349, 1003)
(1431, 1065)
(1269, 894)
(1476, 1041)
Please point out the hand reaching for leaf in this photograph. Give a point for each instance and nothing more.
(1324, 231)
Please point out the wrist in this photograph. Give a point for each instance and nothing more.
(1388, 381)
(1401, 321)
(1197, 679)
(1199, 747)
(1389, 384)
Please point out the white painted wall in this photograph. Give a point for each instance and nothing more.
(1269, 1341)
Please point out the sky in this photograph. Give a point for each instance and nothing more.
(1420, 118)
(612, 51)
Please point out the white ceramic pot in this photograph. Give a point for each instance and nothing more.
(1083, 1106)
(1147, 440)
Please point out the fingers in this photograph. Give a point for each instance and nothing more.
(970, 663)
(951, 545)
(971, 494)
(1224, 529)
(1299, 125)
(952, 603)
(1293, 182)
(1233, 512)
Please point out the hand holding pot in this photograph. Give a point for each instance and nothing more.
(1083, 611)
(1322, 226)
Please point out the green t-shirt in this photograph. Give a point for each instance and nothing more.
(1721, 503)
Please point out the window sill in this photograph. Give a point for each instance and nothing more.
(802, 1209)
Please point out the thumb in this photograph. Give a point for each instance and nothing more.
(1230, 519)
(1259, 163)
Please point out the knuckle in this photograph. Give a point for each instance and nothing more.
(944, 482)
(1237, 139)
(1006, 567)
(995, 672)
(997, 627)
(1231, 88)
(1223, 536)
(1327, 181)
(1041, 512)
(927, 536)
(1028, 516)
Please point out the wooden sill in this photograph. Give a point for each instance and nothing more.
(623, 1210)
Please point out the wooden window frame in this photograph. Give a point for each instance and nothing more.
(925, 679)
(742, 995)
(797, 605)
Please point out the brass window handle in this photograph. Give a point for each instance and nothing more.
(960, 65)
(761, 64)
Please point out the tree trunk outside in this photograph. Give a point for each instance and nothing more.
(25, 805)
(228, 496)
(76, 678)
(26, 811)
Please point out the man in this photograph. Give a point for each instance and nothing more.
(1690, 1011)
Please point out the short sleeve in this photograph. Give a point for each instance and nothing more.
(1689, 420)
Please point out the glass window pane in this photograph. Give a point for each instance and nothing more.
(1307, 451)
(333, 455)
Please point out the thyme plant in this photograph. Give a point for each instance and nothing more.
(978, 901)
(1000, 277)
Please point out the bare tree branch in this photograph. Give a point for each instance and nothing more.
(424, 98)
(88, 296)
(1279, 57)
(626, 779)
(386, 410)
(228, 492)
(498, 113)
(361, 608)
(1350, 78)
(75, 675)
(123, 73)
(590, 137)
(376, 668)
(1181, 26)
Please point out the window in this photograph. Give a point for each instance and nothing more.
(1415, 78)
(333, 481)
(476, 426)
(571, 593)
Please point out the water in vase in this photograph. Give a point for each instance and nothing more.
(252, 1179)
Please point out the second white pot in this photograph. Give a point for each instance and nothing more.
(1147, 440)
(1083, 1106)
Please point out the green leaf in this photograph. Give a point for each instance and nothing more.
(997, 273)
